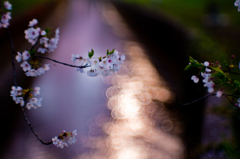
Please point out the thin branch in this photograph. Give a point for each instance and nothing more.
(197, 100)
(236, 73)
(13, 57)
(209, 95)
(29, 124)
(35, 43)
(232, 103)
(66, 64)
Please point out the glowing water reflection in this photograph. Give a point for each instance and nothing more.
(140, 126)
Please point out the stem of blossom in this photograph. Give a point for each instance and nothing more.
(192, 102)
(13, 63)
(29, 124)
(236, 73)
(35, 44)
(85, 66)
(209, 95)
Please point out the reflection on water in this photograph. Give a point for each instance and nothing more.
(140, 126)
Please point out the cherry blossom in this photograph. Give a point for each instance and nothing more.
(7, 5)
(208, 70)
(92, 73)
(33, 23)
(238, 102)
(42, 50)
(195, 79)
(34, 103)
(18, 94)
(19, 100)
(63, 138)
(25, 65)
(46, 67)
(36, 91)
(206, 63)
(237, 4)
(5, 19)
(80, 70)
(19, 57)
(31, 34)
(100, 65)
(25, 55)
(48, 45)
(219, 93)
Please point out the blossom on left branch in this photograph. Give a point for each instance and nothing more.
(20, 95)
(5, 16)
(63, 138)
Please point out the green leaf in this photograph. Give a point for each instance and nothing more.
(188, 67)
(225, 63)
(32, 53)
(220, 76)
(217, 69)
(111, 52)
(192, 65)
(191, 60)
(90, 54)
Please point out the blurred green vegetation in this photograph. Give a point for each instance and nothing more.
(21, 6)
(190, 12)
(208, 43)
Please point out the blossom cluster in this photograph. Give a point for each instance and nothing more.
(6, 16)
(63, 138)
(100, 65)
(207, 79)
(237, 4)
(34, 68)
(34, 33)
(19, 95)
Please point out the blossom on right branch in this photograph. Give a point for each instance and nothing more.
(100, 65)
(237, 4)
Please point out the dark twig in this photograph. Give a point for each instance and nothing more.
(29, 124)
(209, 95)
(192, 102)
(232, 103)
(13, 63)
(35, 44)
(236, 73)
(85, 66)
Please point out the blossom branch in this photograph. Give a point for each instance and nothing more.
(66, 64)
(35, 44)
(15, 80)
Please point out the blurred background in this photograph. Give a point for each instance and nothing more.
(134, 113)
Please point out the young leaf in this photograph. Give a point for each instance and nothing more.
(217, 69)
(90, 54)
(111, 52)
(32, 53)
